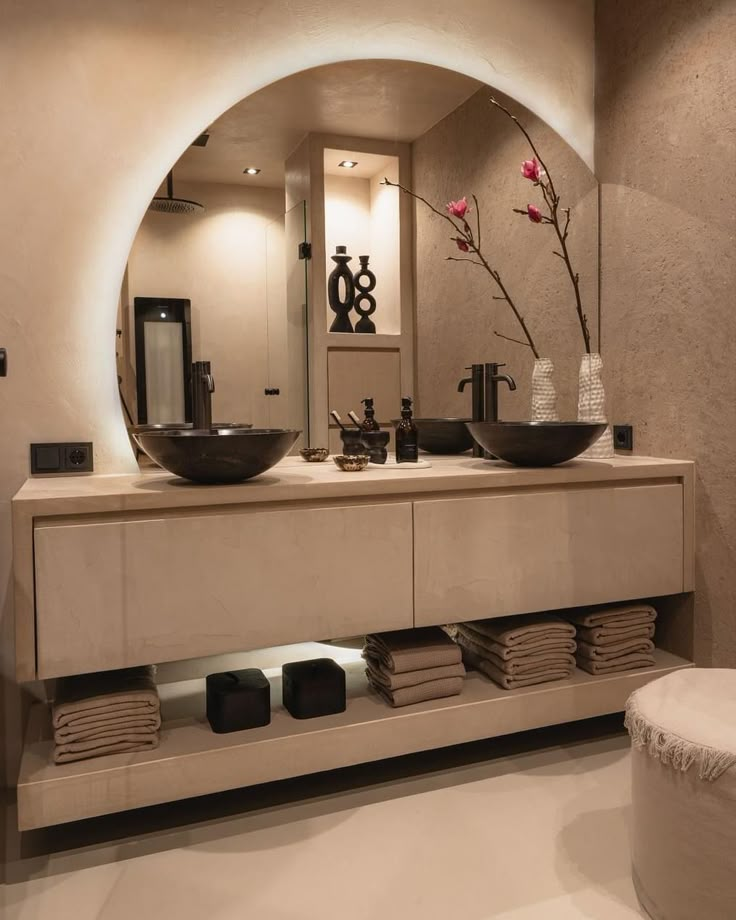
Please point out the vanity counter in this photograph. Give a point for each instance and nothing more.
(295, 480)
(114, 571)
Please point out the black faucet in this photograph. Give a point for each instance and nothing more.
(484, 380)
(203, 386)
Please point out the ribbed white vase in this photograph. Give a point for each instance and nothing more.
(544, 397)
(592, 405)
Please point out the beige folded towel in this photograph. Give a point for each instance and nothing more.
(631, 614)
(517, 630)
(111, 729)
(378, 675)
(610, 635)
(529, 665)
(429, 690)
(90, 699)
(122, 744)
(562, 644)
(506, 681)
(615, 649)
(622, 663)
(412, 649)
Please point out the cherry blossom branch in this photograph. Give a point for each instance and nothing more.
(467, 241)
(537, 171)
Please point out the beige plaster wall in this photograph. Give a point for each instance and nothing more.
(666, 152)
(477, 149)
(99, 99)
(219, 260)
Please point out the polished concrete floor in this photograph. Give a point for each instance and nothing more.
(532, 827)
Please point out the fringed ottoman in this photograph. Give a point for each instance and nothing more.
(683, 730)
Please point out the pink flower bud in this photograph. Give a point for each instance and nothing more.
(530, 169)
(458, 208)
(535, 215)
(462, 245)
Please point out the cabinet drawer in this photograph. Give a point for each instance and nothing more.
(518, 553)
(119, 593)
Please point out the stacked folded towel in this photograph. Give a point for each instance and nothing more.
(108, 713)
(519, 651)
(413, 665)
(616, 638)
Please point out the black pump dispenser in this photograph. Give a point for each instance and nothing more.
(369, 423)
(407, 448)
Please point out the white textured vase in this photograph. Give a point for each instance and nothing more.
(544, 397)
(592, 405)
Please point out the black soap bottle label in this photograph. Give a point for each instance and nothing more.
(407, 448)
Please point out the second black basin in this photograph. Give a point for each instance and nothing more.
(220, 455)
(443, 435)
(536, 443)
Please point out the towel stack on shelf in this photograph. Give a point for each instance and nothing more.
(108, 713)
(519, 651)
(615, 639)
(413, 665)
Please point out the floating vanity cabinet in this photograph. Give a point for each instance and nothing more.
(545, 550)
(117, 593)
(126, 570)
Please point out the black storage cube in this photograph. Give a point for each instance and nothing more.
(237, 700)
(313, 688)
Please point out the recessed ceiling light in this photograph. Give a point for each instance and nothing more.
(348, 164)
(251, 171)
(201, 141)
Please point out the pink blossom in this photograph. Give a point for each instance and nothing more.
(530, 169)
(458, 208)
(535, 215)
(461, 244)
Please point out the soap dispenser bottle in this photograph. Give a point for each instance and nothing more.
(407, 448)
(369, 423)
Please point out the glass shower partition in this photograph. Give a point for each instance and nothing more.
(287, 311)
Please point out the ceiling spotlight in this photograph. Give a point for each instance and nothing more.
(348, 164)
(251, 171)
(201, 141)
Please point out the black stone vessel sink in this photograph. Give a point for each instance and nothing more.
(536, 443)
(218, 455)
(443, 435)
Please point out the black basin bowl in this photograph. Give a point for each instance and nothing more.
(218, 456)
(442, 435)
(135, 430)
(536, 443)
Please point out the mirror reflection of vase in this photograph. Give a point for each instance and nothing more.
(364, 302)
(341, 304)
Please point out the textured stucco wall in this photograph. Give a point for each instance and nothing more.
(476, 149)
(666, 152)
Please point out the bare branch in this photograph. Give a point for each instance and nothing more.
(469, 261)
(508, 338)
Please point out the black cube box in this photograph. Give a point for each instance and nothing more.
(237, 700)
(313, 688)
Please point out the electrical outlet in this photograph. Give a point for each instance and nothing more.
(72, 457)
(623, 437)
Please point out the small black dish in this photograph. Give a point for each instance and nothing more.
(313, 688)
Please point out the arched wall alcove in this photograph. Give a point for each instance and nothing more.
(107, 99)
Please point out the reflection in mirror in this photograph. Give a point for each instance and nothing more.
(239, 289)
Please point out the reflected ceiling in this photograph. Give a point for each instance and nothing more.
(390, 100)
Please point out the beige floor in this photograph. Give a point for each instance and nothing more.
(519, 829)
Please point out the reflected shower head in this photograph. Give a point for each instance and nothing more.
(172, 205)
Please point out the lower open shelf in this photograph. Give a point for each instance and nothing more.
(191, 760)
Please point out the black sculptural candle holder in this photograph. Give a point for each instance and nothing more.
(364, 302)
(341, 305)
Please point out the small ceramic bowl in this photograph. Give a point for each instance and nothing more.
(314, 454)
(353, 463)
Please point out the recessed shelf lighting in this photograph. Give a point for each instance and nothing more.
(251, 171)
(348, 164)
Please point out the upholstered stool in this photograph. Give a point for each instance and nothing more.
(683, 730)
